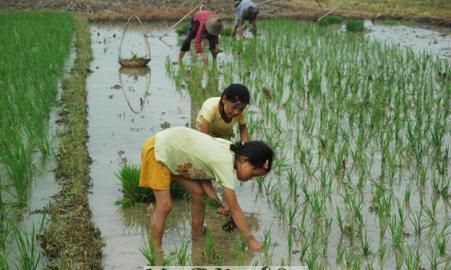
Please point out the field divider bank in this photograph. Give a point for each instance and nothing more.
(71, 240)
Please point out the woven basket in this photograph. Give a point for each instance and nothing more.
(134, 62)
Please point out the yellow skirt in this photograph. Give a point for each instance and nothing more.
(154, 174)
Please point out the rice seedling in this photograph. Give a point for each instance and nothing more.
(365, 244)
(129, 179)
(133, 193)
(149, 251)
(331, 19)
(32, 62)
(413, 259)
(229, 225)
(416, 220)
(361, 112)
(268, 246)
(29, 254)
(240, 248)
(441, 240)
(182, 257)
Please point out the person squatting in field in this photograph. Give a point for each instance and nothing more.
(218, 115)
(245, 10)
(194, 159)
(205, 24)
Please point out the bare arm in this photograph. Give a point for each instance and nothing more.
(210, 191)
(202, 125)
(240, 220)
(244, 135)
(208, 188)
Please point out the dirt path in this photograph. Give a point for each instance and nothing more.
(112, 10)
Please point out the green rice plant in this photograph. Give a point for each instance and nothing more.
(292, 182)
(149, 251)
(229, 225)
(209, 250)
(434, 260)
(32, 62)
(441, 240)
(227, 31)
(182, 29)
(416, 220)
(331, 19)
(365, 244)
(29, 255)
(413, 259)
(268, 247)
(382, 252)
(399, 259)
(240, 247)
(133, 193)
(397, 234)
(292, 214)
(341, 253)
(182, 257)
(431, 213)
(354, 26)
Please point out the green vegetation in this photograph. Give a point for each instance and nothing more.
(133, 193)
(355, 25)
(33, 60)
(360, 130)
(71, 241)
(182, 29)
(331, 19)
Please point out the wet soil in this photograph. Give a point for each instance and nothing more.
(112, 10)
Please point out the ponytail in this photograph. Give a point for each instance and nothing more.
(258, 153)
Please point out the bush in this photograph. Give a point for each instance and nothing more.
(355, 26)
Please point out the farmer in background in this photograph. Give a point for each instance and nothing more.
(194, 160)
(245, 10)
(219, 115)
(205, 24)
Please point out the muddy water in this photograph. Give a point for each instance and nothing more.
(435, 41)
(126, 107)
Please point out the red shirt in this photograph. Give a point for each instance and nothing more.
(199, 19)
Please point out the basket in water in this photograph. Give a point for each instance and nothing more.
(134, 62)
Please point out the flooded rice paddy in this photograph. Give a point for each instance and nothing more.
(128, 106)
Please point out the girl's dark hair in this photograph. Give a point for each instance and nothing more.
(236, 93)
(259, 153)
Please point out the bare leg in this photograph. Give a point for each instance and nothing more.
(235, 28)
(254, 27)
(162, 209)
(197, 203)
(181, 55)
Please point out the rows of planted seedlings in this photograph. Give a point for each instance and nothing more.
(361, 132)
(33, 49)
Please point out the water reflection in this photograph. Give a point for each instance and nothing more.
(132, 79)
